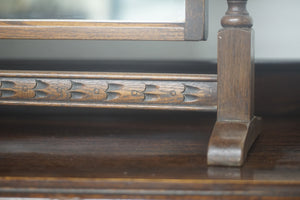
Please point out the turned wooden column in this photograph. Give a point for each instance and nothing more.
(236, 127)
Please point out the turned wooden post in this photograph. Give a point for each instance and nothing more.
(236, 127)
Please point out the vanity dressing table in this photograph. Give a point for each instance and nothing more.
(134, 130)
(230, 93)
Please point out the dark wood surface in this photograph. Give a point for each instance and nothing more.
(158, 155)
(154, 155)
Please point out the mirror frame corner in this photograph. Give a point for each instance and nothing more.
(193, 29)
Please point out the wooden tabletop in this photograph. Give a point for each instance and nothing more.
(138, 154)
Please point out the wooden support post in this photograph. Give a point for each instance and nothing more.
(236, 127)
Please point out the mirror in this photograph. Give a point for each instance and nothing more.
(94, 10)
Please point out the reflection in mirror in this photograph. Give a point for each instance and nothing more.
(96, 10)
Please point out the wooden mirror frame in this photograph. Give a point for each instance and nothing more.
(192, 29)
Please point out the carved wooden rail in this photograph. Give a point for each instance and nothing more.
(113, 90)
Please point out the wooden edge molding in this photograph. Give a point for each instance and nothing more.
(30, 29)
(109, 90)
(145, 187)
(109, 75)
(231, 140)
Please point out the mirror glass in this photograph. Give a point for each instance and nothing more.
(94, 10)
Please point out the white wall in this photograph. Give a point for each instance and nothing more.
(277, 26)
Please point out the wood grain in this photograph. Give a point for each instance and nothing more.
(110, 90)
(231, 140)
(89, 30)
(196, 20)
(194, 28)
(276, 83)
(150, 155)
(237, 15)
(236, 75)
(236, 128)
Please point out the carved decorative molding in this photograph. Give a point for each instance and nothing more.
(94, 92)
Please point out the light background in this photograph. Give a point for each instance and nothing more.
(277, 28)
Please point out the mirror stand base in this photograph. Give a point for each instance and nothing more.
(231, 140)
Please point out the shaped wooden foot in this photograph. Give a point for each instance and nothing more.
(231, 140)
